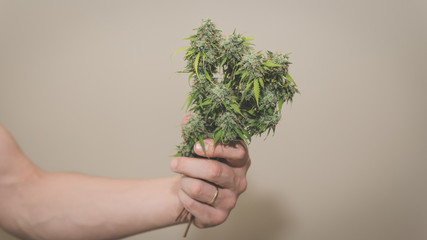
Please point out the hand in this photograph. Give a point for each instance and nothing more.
(201, 175)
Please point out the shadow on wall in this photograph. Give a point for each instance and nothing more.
(261, 216)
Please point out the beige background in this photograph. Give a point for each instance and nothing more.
(84, 86)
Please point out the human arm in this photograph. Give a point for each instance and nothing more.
(35, 204)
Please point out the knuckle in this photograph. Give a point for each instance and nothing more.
(243, 185)
(196, 188)
(219, 218)
(231, 202)
(240, 153)
(189, 204)
(214, 171)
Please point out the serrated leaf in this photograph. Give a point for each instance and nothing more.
(280, 106)
(239, 133)
(248, 136)
(236, 108)
(238, 71)
(196, 64)
(189, 78)
(245, 73)
(206, 102)
(208, 77)
(256, 91)
(216, 137)
(270, 63)
(290, 78)
(203, 59)
(202, 143)
(190, 53)
(190, 37)
(176, 155)
(261, 82)
(178, 51)
(248, 38)
(200, 104)
(188, 101)
(248, 85)
(212, 108)
(223, 61)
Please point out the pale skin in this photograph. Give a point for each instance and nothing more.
(35, 204)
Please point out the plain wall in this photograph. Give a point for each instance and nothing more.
(88, 86)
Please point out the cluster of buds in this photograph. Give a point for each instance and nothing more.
(236, 92)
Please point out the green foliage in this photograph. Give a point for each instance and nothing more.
(236, 92)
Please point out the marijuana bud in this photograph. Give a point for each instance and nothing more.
(236, 92)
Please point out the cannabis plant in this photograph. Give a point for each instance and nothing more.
(236, 92)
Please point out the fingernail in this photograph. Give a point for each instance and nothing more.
(199, 147)
(174, 163)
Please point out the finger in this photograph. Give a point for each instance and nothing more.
(236, 154)
(200, 190)
(205, 215)
(204, 192)
(209, 170)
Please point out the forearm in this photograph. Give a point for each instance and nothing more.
(75, 206)
(39, 205)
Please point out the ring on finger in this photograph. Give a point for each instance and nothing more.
(214, 197)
